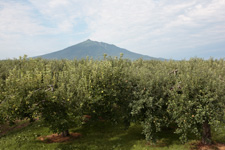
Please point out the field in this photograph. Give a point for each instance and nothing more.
(100, 136)
(113, 103)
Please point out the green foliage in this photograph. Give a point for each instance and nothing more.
(197, 97)
(188, 95)
(109, 90)
(151, 97)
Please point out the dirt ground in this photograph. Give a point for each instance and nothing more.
(18, 125)
(55, 138)
(216, 146)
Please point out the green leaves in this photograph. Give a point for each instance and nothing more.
(182, 94)
(196, 100)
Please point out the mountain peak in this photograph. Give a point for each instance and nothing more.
(88, 41)
(93, 49)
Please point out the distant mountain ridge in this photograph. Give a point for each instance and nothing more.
(94, 50)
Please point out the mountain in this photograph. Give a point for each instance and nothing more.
(94, 50)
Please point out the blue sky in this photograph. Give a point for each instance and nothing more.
(160, 28)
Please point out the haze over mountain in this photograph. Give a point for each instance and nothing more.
(95, 50)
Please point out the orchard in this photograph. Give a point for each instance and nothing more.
(186, 95)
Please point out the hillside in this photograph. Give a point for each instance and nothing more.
(96, 50)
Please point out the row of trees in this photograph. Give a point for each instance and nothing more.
(188, 95)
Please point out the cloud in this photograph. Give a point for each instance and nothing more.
(62, 14)
(17, 18)
(34, 28)
(37, 17)
(157, 28)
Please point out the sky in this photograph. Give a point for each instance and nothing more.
(172, 29)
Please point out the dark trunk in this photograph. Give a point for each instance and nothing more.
(206, 134)
(126, 124)
(32, 120)
(11, 123)
(65, 133)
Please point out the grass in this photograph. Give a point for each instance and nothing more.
(218, 135)
(100, 136)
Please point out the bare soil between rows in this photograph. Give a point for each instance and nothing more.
(56, 138)
(215, 146)
(4, 129)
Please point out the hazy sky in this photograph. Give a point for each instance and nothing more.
(177, 29)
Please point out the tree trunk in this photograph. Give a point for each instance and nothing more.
(65, 133)
(11, 123)
(32, 119)
(206, 134)
(126, 124)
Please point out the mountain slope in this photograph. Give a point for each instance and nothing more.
(94, 49)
